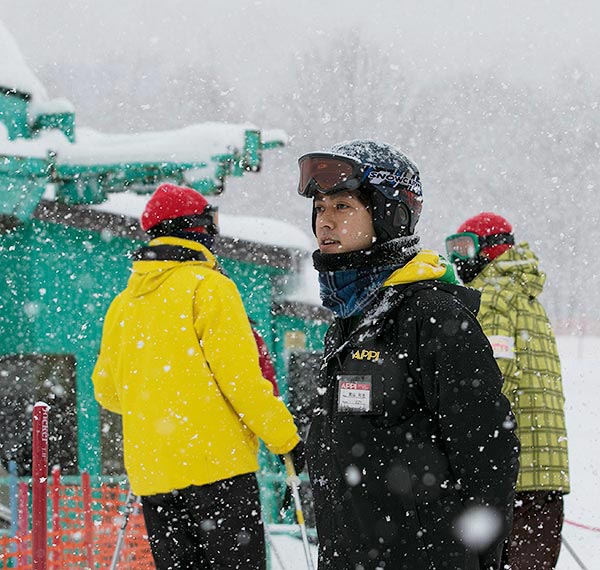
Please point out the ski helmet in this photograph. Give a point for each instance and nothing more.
(494, 232)
(479, 240)
(385, 176)
(177, 208)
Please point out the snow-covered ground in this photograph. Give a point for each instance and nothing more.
(581, 366)
(287, 553)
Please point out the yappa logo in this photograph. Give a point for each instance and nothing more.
(365, 355)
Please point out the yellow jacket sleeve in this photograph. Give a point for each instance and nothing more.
(103, 377)
(230, 350)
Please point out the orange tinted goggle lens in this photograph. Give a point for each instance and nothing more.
(326, 172)
(462, 246)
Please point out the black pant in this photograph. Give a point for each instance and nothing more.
(534, 542)
(212, 527)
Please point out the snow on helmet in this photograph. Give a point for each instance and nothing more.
(388, 178)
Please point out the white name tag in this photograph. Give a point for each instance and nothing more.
(354, 393)
(503, 346)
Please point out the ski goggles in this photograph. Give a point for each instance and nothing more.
(327, 173)
(467, 245)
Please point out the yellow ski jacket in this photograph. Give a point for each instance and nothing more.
(179, 362)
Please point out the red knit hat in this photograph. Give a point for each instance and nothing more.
(184, 206)
(489, 224)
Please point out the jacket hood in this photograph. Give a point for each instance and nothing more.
(428, 266)
(148, 275)
(518, 266)
(425, 266)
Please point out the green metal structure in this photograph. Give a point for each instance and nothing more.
(63, 261)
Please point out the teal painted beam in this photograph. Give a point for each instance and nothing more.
(91, 183)
(24, 167)
(125, 170)
(13, 113)
(22, 184)
(272, 144)
(64, 122)
(252, 157)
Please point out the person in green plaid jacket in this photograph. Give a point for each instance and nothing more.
(515, 322)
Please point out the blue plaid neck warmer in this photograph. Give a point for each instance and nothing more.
(349, 281)
(348, 292)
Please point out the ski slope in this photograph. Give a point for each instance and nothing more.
(580, 358)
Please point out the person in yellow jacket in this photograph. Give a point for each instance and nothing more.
(510, 281)
(179, 362)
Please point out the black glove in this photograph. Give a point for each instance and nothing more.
(298, 457)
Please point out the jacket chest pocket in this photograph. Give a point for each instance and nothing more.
(358, 394)
(367, 383)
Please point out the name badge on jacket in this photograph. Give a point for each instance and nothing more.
(354, 393)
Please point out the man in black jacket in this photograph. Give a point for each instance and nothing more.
(412, 453)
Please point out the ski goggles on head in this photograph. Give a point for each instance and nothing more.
(467, 245)
(327, 174)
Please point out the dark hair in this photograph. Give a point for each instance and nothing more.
(364, 196)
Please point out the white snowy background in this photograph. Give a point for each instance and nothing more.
(496, 101)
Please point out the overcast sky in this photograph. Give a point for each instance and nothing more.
(473, 123)
(253, 43)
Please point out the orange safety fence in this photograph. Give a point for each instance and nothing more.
(83, 530)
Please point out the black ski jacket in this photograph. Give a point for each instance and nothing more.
(412, 449)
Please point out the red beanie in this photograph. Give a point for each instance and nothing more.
(169, 202)
(488, 224)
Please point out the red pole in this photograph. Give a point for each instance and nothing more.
(39, 510)
(88, 522)
(56, 553)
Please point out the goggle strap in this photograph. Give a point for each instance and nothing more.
(365, 174)
(496, 239)
(408, 181)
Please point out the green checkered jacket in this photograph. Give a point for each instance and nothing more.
(524, 346)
